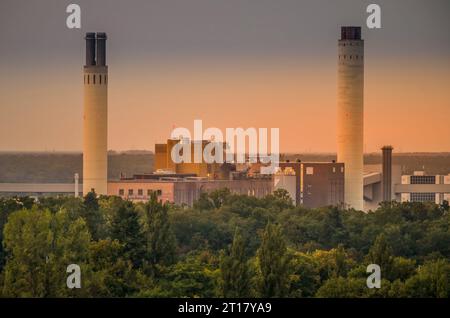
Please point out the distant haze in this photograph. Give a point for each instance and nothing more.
(231, 63)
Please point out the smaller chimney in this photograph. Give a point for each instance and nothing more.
(90, 49)
(101, 48)
(76, 177)
(387, 173)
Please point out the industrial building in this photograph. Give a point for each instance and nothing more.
(184, 189)
(388, 183)
(420, 187)
(287, 180)
(164, 162)
(346, 182)
(317, 183)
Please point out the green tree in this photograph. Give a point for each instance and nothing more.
(160, 240)
(445, 206)
(432, 280)
(126, 228)
(236, 274)
(342, 287)
(381, 254)
(8, 206)
(40, 246)
(212, 200)
(306, 274)
(279, 200)
(110, 274)
(333, 263)
(273, 263)
(92, 215)
(193, 276)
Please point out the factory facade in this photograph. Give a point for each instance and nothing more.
(185, 190)
(316, 183)
(420, 187)
(164, 162)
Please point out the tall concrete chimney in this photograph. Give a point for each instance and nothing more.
(350, 113)
(387, 173)
(95, 119)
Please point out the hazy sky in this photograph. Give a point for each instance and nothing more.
(232, 63)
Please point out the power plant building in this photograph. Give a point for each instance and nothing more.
(183, 189)
(164, 162)
(318, 184)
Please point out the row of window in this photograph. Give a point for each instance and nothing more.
(95, 79)
(310, 170)
(356, 57)
(423, 180)
(351, 44)
(423, 197)
(140, 192)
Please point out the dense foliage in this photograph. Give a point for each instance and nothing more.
(227, 245)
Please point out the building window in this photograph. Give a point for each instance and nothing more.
(423, 179)
(158, 192)
(94, 79)
(423, 197)
(121, 192)
(342, 169)
(334, 169)
(130, 191)
(88, 79)
(140, 192)
(309, 170)
(149, 192)
(100, 79)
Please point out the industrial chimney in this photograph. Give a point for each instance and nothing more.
(95, 119)
(90, 49)
(350, 112)
(387, 173)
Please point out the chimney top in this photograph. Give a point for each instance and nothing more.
(90, 35)
(350, 33)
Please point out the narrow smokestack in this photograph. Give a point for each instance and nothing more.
(90, 48)
(387, 173)
(101, 49)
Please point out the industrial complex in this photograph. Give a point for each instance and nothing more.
(345, 182)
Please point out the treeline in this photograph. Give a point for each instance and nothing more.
(47, 167)
(60, 167)
(227, 245)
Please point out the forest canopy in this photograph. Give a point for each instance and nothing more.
(226, 245)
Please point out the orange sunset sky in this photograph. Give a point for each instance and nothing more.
(407, 91)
